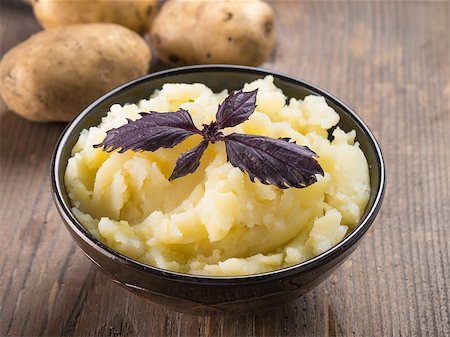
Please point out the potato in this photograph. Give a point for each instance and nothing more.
(134, 14)
(56, 73)
(194, 32)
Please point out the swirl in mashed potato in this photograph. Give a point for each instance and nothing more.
(216, 221)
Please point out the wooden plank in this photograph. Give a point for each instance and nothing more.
(388, 60)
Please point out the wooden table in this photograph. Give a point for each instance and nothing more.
(391, 62)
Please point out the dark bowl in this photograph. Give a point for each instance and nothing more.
(200, 294)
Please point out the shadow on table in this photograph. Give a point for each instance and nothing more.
(22, 140)
(93, 305)
(11, 12)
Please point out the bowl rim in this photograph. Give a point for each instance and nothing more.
(304, 266)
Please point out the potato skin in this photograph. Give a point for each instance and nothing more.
(56, 73)
(233, 32)
(134, 14)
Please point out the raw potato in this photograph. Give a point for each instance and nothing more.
(233, 32)
(134, 14)
(56, 73)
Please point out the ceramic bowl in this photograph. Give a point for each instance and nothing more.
(201, 294)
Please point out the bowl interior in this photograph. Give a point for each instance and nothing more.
(219, 78)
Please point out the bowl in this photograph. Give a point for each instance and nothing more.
(205, 294)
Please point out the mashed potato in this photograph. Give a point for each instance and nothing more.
(216, 221)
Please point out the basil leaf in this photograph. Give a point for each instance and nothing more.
(189, 161)
(151, 132)
(236, 108)
(273, 161)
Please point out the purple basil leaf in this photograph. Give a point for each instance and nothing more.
(189, 161)
(273, 161)
(152, 131)
(236, 108)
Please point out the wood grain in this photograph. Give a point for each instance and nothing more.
(390, 61)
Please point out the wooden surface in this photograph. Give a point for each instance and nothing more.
(388, 60)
